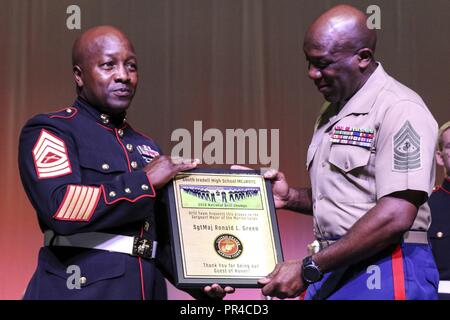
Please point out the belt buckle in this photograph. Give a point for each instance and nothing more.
(144, 248)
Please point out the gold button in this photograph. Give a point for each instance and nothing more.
(105, 166)
(146, 226)
(439, 234)
(105, 118)
(112, 194)
(134, 164)
(83, 281)
(144, 187)
(120, 132)
(130, 147)
(68, 110)
(127, 190)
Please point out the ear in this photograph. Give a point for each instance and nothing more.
(439, 158)
(78, 75)
(365, 57)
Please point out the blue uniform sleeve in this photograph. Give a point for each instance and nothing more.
(66, 200)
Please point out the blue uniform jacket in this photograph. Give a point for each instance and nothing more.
(439, 232)
(82, 171)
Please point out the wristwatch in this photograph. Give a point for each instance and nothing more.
(311, 271)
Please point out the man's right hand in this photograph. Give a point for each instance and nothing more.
(280, 187)
(163, 168)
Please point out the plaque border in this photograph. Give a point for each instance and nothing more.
(180, 280)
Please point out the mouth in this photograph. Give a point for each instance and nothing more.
(122, 92)
(323, 87)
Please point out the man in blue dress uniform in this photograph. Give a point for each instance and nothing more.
(439, 202)
(94, 182)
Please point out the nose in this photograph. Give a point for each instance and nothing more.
(314, 73)
(122, 74)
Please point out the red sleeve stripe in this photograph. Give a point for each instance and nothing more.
(79, 203)
(68, 115)
(50, 156)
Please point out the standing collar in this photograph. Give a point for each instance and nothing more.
(102, 118)
(446, 184)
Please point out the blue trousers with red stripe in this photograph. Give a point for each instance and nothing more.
(404, 272)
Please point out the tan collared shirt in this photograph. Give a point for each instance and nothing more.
(382, 141)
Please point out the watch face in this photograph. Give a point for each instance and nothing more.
(311, 274)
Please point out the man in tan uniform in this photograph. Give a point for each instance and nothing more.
(371, 167)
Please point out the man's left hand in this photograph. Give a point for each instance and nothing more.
(285, 281)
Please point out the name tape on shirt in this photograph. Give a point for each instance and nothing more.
(50, 156)
(353, 136)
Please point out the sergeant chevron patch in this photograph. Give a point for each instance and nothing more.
(50, 156)
(406, 149)
(79, 203)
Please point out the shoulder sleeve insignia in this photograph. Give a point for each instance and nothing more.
(50, 156)
(406, 149)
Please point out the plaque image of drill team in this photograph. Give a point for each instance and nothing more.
(221, 197)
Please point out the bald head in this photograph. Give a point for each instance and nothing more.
(339, 48)
(93, 40)
(342, 28)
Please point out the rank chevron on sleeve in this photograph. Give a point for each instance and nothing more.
(50, 156)
(406, 145)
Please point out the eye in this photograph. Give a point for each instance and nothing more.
(132, 66)
(107, 65)
(318, 64)
(322, 64)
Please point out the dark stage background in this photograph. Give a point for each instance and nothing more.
(229, 63)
